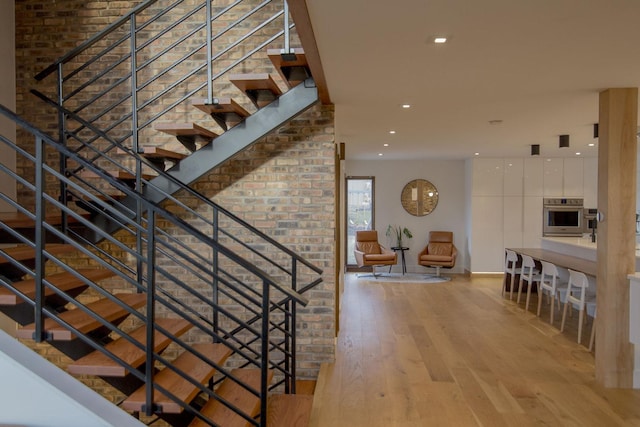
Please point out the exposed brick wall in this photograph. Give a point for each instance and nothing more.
(283, 185)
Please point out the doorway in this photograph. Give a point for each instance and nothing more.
(360, 202)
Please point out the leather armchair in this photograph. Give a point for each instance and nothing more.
(440, 251)
(369, 252)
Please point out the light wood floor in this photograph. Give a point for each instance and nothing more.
(458, 354)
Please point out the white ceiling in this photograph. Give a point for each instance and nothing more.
(537, 65)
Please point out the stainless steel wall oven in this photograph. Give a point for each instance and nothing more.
(562, 217)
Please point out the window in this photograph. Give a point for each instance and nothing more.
(360, 203)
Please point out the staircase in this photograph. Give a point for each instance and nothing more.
(190, 317)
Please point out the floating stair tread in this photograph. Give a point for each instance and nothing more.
(193, 366)
(237, 395)
(185, 129)
(98, 363)
(275, 55)
(263, 81)
(157, 152)
(82, 321)
(120, 174)
(306, 387)
(20, 220)
(291, 410)
(223, 106)
(26, 252)
(63, 281)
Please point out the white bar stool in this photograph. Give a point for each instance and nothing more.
(528, 274)
(577, 297)
(550, 283)
(510, 268)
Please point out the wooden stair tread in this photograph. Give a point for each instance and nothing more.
(119, 174)
(193, 366)
(98, 363)
(223, 105)
(63, 281)
(26, 252)
(246, 82)
(185, 129)
(306, 386)
(282, 65)
(291, 410)
(21, 220)
(157, 152)
(84, 322)
(259, 84)
(237, 395)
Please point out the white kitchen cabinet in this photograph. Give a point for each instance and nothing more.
(532, 214)
(533, 176)
(573, 177)
(513, 177)
(590, 174)
(563, 177)
(512, 224)
(553, 169)
(487, 250)
(488, 177)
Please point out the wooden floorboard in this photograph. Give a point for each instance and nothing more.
(459, 354)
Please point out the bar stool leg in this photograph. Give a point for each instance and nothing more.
(580, 322)
(564, 315)
(519, 289)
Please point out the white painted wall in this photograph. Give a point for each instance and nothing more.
(35, 393)
(450, 214)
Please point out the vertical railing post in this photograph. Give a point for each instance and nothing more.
(209, 54)
(39, 240)
(134, 137)
(150, 407)
(286, 27)
(291, 327)
(63, 140)
(215, 265)
(264, 362)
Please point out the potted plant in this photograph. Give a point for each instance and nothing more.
(398, 232)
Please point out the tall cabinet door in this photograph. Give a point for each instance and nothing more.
(573, 177)
(487, 233)
(512, 203)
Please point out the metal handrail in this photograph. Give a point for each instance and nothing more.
(151, 207)
(203, 200)
(117, 124)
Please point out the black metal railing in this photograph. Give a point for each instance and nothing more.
(179, 274)
(193, 258)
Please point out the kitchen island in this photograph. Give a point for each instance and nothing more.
(581, 247)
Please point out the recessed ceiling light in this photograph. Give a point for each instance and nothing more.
(578, 153)
(385, 145)
(439, 40)
(476, 154)
(392, 132)
(379, 154)
(406, 105)
(591, 144)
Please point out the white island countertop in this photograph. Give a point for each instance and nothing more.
(581, 247)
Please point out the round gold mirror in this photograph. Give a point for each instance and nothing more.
(419, 197)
